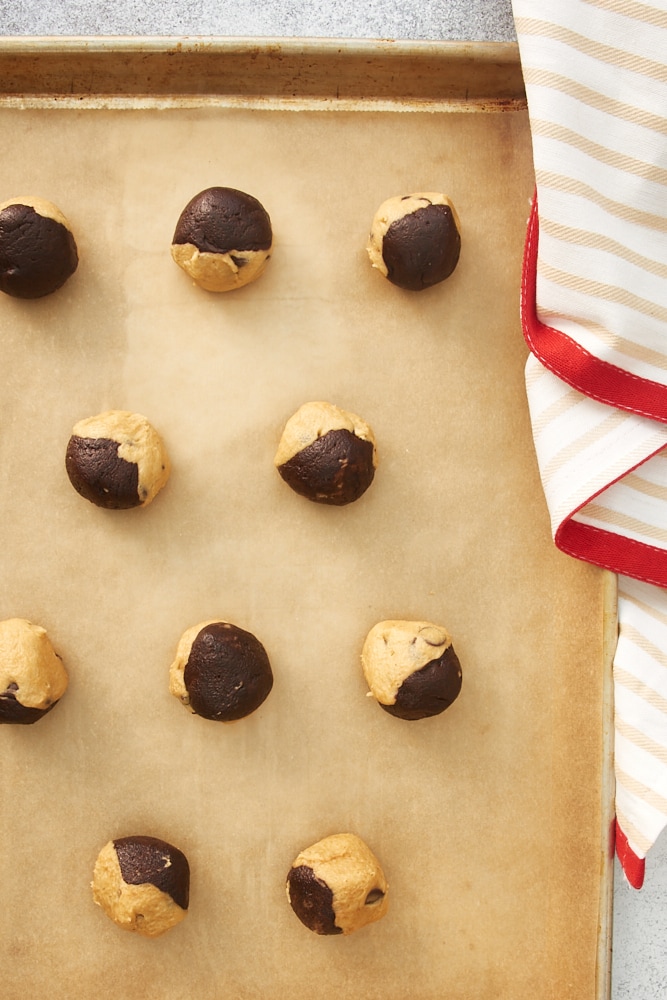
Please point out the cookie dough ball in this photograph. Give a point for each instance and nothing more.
(117, 460)
(223, 239)
(415, 240)
(32, 676)
(411, 668)
(221, 672)
(37, 249)
(337, 885)
(143, 884)
(327, 454)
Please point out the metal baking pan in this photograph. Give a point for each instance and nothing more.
(492, 821)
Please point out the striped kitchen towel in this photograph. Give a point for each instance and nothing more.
(594, 314)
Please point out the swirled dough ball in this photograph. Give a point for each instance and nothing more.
(223, 239)
(415, 240)
(142, 883)
(32, 676)
(37, 249)
(411, 668)
(326, 454)
(117, 460)
(337, 885)
(220, 672)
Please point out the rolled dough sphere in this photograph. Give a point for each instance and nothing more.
(221, 672)
(142, 883)
(337, 885)
(37, 249)
(411, 668)
(32, 676)
(117, 460)
(415, 240)
(223, 239)
(326, 454)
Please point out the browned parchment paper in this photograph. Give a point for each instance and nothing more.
(487, 819)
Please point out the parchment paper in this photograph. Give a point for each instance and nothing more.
(486, 819)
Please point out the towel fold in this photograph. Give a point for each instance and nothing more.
(594, 314)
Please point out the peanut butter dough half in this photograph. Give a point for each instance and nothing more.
(411, 668)
(32, 676)
(38, 251)
(415, 240)
(117, 460)
(327, 454)
(337, 886)
(143, 884)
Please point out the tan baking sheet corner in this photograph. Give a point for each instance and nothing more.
(492, 821)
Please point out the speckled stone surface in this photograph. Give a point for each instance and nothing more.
(639, 967)
(639, 964)
(489, 20)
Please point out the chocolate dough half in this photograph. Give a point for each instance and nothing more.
(38, 252)
(415, 240)
(221, 672)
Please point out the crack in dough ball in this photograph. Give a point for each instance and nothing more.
(415, 240)
(337, 886)
(223, 239)
(220, 672)
(326, 454)
(117, 460)
(38, 252)
(411, 668)
(32, 676)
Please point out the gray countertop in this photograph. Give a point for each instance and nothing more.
(639, 968)
(475, 20)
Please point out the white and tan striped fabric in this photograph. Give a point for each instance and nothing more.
(640, 673)
(594, 312)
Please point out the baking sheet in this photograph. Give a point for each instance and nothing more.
(490, 820)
